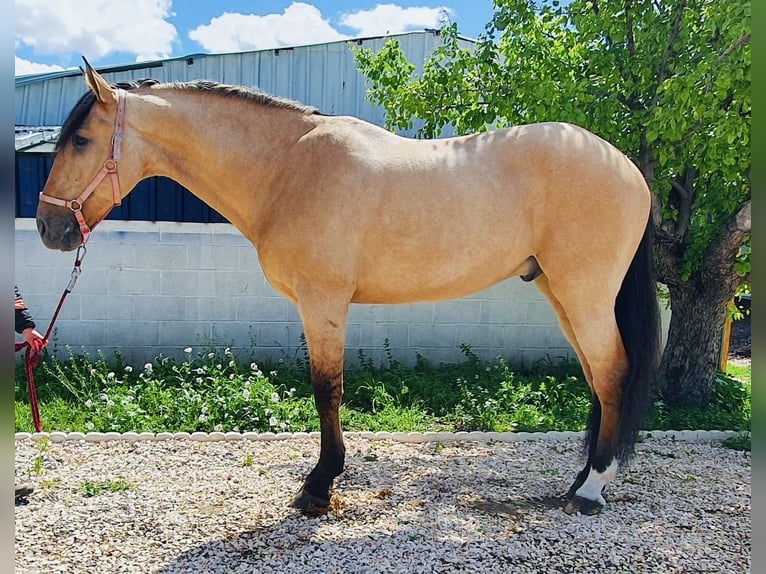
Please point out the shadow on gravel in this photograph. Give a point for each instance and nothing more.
(476, 512)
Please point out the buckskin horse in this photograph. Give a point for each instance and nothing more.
(341, 211)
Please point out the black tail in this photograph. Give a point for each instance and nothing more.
(638, 319)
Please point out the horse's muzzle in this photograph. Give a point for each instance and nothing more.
(59, 234)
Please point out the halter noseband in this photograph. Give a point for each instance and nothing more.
(109, 168)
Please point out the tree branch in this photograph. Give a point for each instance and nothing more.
(686, 195)
(723, 249)
(630, 40)
(744, 39)
(674, 34)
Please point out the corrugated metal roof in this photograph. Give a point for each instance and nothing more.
(321, 75)
(39, 140)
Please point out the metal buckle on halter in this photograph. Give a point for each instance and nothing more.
(75, 205)
(110, 165)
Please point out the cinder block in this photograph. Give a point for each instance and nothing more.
(133, 333)
(430, 336)
(182, 283)
(458, 311)
(134, 282)
(184, 333)
(161, 256)
(257, 309)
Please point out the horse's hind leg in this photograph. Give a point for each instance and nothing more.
(595, 415)
(324, 323)
(589, 323)
(599, 339)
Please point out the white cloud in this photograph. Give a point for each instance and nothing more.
(299, 24)
(24, 67)
(95, 28)
(393, 19)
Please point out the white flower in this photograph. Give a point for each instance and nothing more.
(89, 425)
(148, 367)
(199, 380)
(188, 350)
(110, 375)
(274, 397)
(202, 417)
(253, 367)
(103, 397)
(210, 355)
(273, 421)
(246, 394)
(227, 352)
(110, 403)
(89, 403)
(128, 369)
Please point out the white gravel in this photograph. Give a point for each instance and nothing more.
(441, 506)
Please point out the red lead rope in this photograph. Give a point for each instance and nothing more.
(32, 353)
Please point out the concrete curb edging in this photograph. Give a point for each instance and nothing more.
(412, 437)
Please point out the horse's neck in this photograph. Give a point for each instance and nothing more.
(223, 150)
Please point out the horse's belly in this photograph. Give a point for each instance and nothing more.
(415, 285)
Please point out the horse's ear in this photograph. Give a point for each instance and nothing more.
(104, 92)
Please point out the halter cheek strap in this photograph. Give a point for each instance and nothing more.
(109, 169)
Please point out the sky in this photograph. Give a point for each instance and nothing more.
(53, 35)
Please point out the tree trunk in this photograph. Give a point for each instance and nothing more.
(699, 305)
(689, 364)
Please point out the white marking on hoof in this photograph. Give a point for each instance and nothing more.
(595, 483)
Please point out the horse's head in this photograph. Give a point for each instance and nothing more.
(84, 183)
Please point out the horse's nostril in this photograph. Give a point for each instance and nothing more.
(41, 227)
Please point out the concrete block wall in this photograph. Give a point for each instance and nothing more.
(150, 289)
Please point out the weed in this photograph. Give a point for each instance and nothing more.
(740, 441)
(95, 488)
(211, 390)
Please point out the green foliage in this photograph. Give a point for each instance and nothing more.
(94, 488)
(214, 391)
(742, 441)
(731, 409)
(203, 393)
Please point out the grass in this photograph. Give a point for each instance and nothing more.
(214, 391)
(95, 488)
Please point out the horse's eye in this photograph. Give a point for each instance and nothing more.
(78, 141)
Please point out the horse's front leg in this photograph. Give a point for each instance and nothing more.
(325, 331)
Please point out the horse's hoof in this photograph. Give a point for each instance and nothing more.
(307, 501)
(583, 506)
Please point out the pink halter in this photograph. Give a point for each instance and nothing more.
(109, 168)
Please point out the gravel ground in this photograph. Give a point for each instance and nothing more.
(454, 506)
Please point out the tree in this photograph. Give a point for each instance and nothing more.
(667, 82)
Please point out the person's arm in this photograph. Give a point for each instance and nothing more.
(25, 325)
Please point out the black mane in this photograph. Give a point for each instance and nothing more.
(83, 106)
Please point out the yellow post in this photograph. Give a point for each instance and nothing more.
(724, 362)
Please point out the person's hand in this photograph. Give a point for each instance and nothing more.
(33, 338)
